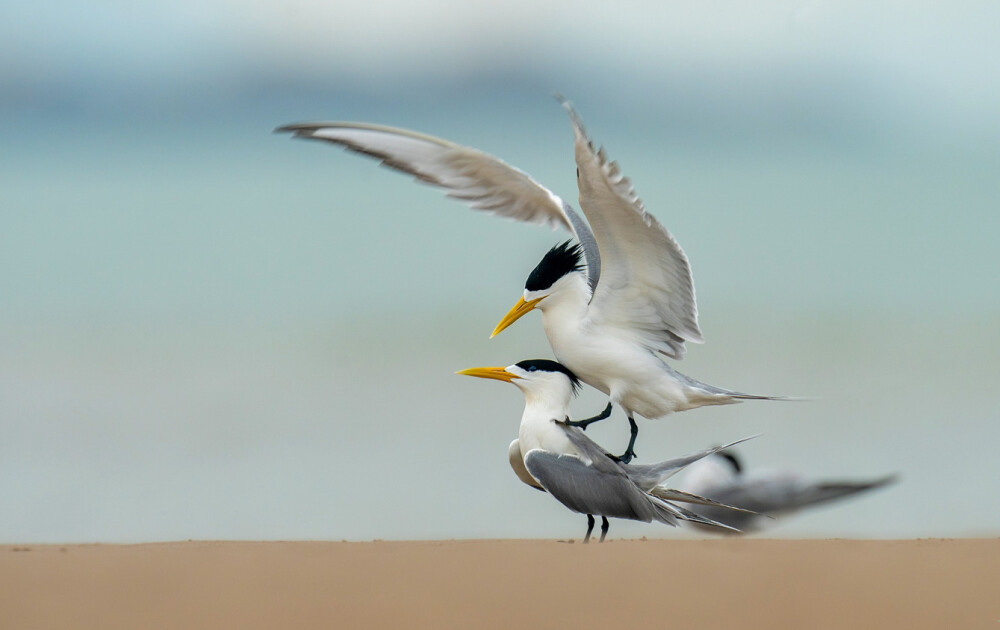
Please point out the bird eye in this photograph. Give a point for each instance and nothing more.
(532, 368)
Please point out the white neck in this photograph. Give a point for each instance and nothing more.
(545, 403)
(566, 305)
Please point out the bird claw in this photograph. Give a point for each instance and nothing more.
(625, 457)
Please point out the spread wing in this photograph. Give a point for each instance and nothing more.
(646, 289)
(784, 493)
(773, 496)
(479, 179)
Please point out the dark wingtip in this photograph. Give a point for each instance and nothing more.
(888, 480)
(300, 130)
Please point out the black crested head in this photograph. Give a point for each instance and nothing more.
(733, 461)
(562, 259)
(546, 365)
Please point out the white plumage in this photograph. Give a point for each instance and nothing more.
(550, 455)
(611, 324)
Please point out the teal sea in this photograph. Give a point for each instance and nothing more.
(210, 331)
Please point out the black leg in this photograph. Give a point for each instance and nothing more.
(604, 527)
(590, 528)
(629, 454)
(584, 423)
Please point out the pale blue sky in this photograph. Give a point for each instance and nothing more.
(925, 67)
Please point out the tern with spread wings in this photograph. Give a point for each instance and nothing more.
(614, 304)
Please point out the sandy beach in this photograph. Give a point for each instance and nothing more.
(926, 583)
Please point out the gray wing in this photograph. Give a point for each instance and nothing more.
(679, 496)
(646, 289)
(481, 180)
(647, 476)
(701, 520)
(591, 451)
(604, 486)
(585, 489)
(778, 495)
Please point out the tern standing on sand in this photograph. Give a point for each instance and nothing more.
(611, 324)
(551, 455)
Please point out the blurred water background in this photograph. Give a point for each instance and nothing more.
(210, 331)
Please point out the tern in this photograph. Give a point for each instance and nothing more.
(551, 455)
(765, 495)
(614, 304)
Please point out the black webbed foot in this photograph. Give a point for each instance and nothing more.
(629, 453)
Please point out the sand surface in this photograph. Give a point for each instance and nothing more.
(743, 584)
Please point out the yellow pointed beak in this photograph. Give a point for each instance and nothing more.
(498, 373)
(515, 314)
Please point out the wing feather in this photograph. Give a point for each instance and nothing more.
(780, 493)
(480, 180)
(584, 489)
(646, 288)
